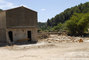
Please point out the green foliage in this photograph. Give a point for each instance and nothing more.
(1, 10)
(66, 15)
(74, 20)
(78, 23)
(58, 27)
(42, 26)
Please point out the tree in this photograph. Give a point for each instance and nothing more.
(66, 15)
(77, 24)
(48, 23)
(57, 28)
(42, 26)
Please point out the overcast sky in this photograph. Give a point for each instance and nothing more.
(45, 8)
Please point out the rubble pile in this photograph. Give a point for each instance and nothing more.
(64, 39)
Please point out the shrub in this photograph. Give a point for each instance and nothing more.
(77, 24)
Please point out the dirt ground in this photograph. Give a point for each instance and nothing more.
(53, 48)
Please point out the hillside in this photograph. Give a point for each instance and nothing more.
(42, 26)
(64, 16)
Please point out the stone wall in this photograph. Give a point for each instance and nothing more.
(3, 35)
(2, 27)
(19, 21)
(20, 17)
(2, 20)
(21, 34)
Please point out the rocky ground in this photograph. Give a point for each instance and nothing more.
(56, 47)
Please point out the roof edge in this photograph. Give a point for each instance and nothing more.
(19, 7)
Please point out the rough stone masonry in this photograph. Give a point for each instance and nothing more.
(18, 24)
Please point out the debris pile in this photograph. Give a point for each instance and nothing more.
(63, 39)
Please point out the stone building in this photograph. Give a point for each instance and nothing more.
(18, 24)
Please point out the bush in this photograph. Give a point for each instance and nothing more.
(57, 28)
(77, 24)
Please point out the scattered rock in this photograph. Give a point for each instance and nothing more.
(80, 40)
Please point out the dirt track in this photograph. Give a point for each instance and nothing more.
(46, 51)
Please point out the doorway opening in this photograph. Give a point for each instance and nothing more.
(10, 33)
(29, 35)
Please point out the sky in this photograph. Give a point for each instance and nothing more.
(46, 8)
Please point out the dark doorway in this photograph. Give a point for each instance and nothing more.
(29, 35)
(10, 33)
